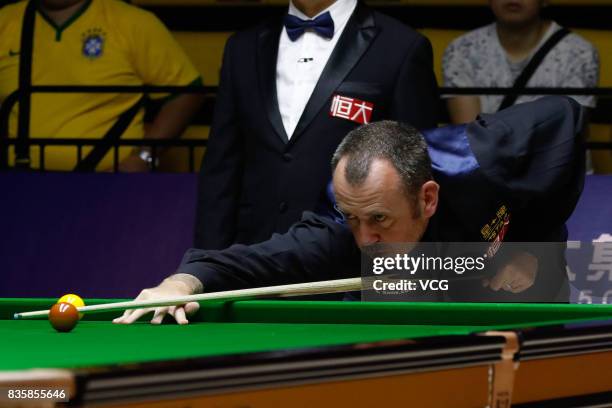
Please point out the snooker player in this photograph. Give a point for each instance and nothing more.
(393, 184)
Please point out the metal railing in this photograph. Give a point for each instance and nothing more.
(80, 143)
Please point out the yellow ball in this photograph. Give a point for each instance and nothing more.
(74, 300)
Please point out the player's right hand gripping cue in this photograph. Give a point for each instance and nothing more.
(173, 286)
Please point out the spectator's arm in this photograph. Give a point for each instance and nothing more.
(174, 116)
(463, 109)
(159, 60)
(169, 123)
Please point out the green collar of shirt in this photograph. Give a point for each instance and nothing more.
(60, 28)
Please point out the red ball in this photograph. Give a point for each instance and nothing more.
(63, 317)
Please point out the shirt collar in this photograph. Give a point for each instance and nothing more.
(340, 12)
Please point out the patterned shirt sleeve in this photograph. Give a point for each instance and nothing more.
(582, 71)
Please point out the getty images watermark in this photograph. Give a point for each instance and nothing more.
(580, 272)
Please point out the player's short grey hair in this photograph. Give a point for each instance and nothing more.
(401, 144)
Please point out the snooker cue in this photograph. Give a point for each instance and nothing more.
(298, 289)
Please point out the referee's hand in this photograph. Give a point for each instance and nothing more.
(174, 286)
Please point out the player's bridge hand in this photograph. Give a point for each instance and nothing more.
(516, 276)
(174, 286)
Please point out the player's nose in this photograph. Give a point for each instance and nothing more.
(366, 236)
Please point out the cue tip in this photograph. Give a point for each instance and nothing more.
(16, 316)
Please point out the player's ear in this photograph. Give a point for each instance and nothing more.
(429, 198)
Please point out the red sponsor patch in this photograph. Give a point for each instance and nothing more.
(351, 109)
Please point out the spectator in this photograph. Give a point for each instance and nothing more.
(287, 96)
(94, 42)
(496, 54)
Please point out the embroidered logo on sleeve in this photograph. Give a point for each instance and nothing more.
(495, 231)
(352, 109)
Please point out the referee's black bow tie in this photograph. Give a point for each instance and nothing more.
(322, 25)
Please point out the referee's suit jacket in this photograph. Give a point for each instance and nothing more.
(528, 158)
(254, 180)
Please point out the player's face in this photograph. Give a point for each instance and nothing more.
(378, 210)
(516, 12)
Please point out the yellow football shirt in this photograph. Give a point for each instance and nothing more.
(106, 42)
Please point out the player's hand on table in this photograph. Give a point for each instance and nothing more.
(173, 286)
(516, 276)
